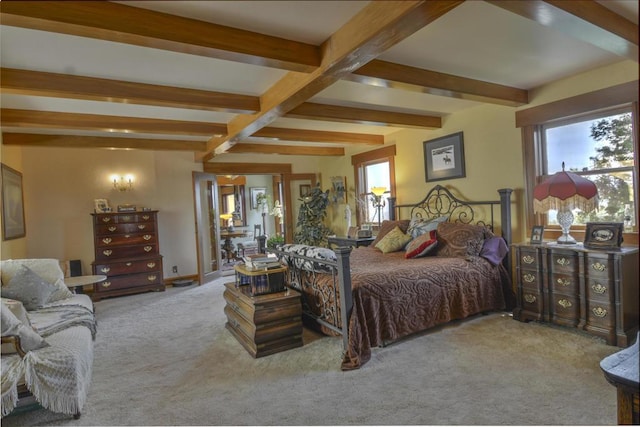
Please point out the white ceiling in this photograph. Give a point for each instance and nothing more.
(476, 40)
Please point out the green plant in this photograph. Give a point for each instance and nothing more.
(274, 241)
(310, 226)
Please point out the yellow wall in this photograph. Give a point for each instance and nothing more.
(15, 248)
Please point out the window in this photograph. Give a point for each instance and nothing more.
(374, 169)
(599, 147)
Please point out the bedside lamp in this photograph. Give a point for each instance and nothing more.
(564, 192)
(377, 201)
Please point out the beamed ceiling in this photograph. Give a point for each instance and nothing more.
(283, 77)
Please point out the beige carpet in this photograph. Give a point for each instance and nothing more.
(166, 359)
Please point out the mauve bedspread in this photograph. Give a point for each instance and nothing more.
(394, 297)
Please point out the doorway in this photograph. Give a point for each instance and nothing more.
(205, 195)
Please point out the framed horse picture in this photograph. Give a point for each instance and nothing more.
(444, 158)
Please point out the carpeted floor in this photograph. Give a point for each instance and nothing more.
(166, 358)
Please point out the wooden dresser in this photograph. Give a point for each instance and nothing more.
(264, 324)
(593, 290)
(127, 252)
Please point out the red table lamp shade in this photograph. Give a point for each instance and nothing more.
(564, 192)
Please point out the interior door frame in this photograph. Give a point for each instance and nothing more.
(204, 277)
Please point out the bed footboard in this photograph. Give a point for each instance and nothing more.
(325, 285)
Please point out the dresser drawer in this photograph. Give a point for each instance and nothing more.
(532, 301)
(531, 279)
(123, 218)
(266, 332)
(129, 281)
(109, 229)
(600, 314)
(117, 252)
(563, 262)
(565, 307)
(261, 309)
(599, 267)
(125, 239)
(529, 260)
(128, 267)
(565, 283)
(600, 290)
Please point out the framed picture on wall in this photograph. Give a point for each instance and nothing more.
(339, 189)
(13, 225)
(444, 158)
(255, 192)
(304, 189)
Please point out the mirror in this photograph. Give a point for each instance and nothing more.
(231, 200)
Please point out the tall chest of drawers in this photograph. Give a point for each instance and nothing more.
(593, 290)
(127, 252)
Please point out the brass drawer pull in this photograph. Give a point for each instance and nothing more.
(599, 267)
(528, 259)
(127, 236)
(106, 240)
(112, 228)
(145, 217)
(565, 303)
(126, 218)
(598, 288)
(529, 298)
(108, 252)
(563, 282)
(529, 278)
(563, 261)
(142, 226)
(106, 219)
(151, 278)
(147, 237)
(148, 248)
(105, 270)
(599, 311)
(128, 264)
(105, 284)
(151, 264)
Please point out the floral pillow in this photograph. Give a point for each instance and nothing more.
(419, 225)
(459, 240)
(393, 241)
(321, 254)
(421, 245)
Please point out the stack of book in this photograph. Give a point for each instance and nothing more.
(261, 262)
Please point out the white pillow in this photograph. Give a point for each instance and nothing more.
(29, 339)
(17, 309)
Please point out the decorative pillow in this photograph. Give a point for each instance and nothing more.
(29, 339)
(459, 240)
(322, 254)
(421, 245)
(47, 268)
(494, 250)
(388, 226)
(17, 309)
(419, 226)
(393, 241)
(28, 288)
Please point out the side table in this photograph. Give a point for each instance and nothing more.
(348, 241)
(77, 282)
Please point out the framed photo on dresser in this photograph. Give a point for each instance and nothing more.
(536, 234)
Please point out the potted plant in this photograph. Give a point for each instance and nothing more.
(275, 241)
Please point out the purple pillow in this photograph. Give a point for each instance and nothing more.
(494, 250)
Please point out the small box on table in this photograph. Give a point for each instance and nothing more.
(262, 281)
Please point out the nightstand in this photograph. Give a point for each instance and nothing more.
(347, 241)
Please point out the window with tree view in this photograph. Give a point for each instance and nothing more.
(599, 147)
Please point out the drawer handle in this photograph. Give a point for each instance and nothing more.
(106, 219)
(107, 240)
(142, 227)
(151, 264)
(563, 261)
(599, 267)
(598, 288)
(529, 298)
(126, 218)
(112, 228)
(145, 217)
(529, 278)
(128, 264)
(108, 252)
(599, 311)
(127, 235)
(151, 277)
(565, 303)
(147, 237)
(563, 282)
(105, 284)
(528, 259)
(148, 248)
(105, 270)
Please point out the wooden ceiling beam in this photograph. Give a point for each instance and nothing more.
(290, 150)
(141, 27)
(585, 20)
(314, 111)
(319, 136)
(37, 83)
(372, 31)
(232, 168)
(105, 123)
(389, 74)
(75, 141)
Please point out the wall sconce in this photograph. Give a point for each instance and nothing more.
(122, 183)
(378, 202)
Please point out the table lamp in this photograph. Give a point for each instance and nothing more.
(564, 192)
(227, 217)
(378, 203)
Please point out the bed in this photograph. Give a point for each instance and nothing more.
(458, 267)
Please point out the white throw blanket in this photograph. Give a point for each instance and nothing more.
(58, 376)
